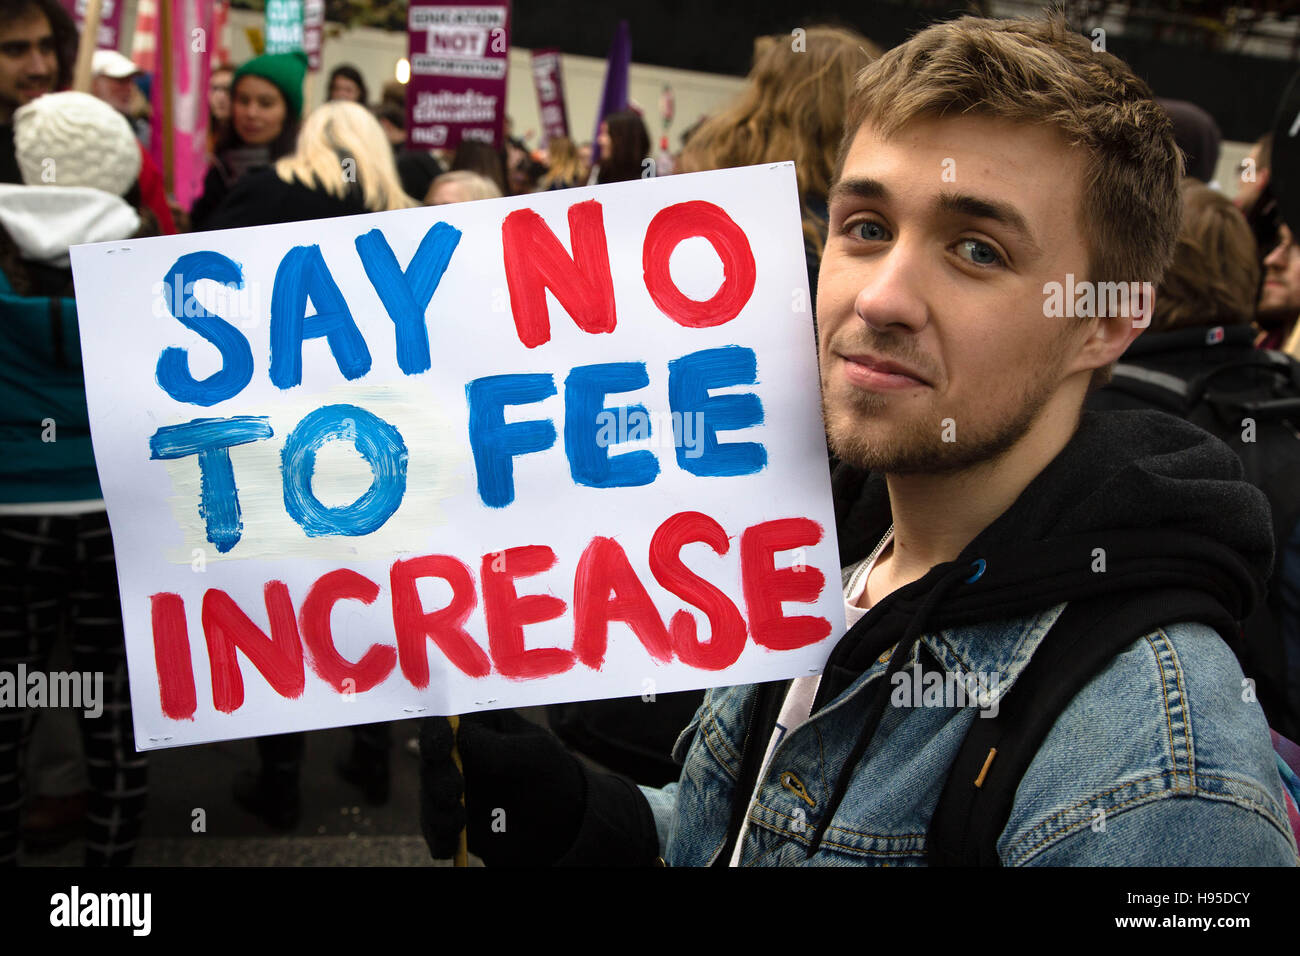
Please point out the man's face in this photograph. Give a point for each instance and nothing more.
(29, 65)
(935, 351)
(1279, 299)
(114, 91)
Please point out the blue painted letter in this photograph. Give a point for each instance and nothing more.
(406, 294)
(689, 380)
(494, 443)
(303, 273)
(173, 371)
(379, 444)
(585, 439)
(211, 439)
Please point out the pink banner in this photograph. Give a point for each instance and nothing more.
(459, 55)
(189, 89)
(313, 32)
(548, 78)
(110, 20)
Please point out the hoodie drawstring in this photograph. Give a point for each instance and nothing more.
(962, 574)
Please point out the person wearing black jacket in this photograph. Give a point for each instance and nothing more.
(1198, 361)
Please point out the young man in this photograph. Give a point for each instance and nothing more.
(37, 43)
(985, 163)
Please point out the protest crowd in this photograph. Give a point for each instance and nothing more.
(1106, 557)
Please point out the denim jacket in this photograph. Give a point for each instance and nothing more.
(1158, 761)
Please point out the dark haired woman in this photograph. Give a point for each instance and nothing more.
(624, 145)
(265, 108)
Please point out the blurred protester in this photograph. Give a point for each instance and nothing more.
(78, 158)
(113, 81)
(346, 83)
(792, 108)
(38, 44)
(417, 168)
(584, 162)
(460, 185)
(1197, 361)
(343, 166)
(1197, 135)
(479, 157)
(522, 170)
(624, 146)
(1279, 299)
(266, 106)
(565, 166)
(218, 103)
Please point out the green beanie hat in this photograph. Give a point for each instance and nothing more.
(285, 70)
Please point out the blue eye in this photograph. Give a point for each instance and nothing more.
(865, 225)
(981, 253)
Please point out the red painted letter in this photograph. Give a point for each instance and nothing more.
(314, 619)
(507, 613)
(278, 658)
(726, 626)
(766, 587)
(536, 261)
(603, 568)
(171, 654)
(685, 221)
(445, 627)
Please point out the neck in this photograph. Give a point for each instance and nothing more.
(937, 515)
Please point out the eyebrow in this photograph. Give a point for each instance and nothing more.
(960, 203)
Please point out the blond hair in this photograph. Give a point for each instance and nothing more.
(792, 108)
(471, 183)
(564, 162)
(342, 148)
(1213, 277)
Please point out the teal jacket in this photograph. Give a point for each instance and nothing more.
(45, 451)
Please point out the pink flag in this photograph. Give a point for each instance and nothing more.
(191, 39)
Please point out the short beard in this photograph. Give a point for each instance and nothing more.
(920, 448)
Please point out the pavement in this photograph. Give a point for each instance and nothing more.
(338, 828)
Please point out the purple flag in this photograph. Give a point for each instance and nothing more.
(614, 97)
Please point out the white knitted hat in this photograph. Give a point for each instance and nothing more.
(75, 139)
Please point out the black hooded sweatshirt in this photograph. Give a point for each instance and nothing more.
(1165, 502)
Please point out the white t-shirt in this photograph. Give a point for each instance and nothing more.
(803, 690)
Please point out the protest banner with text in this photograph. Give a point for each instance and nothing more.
(545, 448)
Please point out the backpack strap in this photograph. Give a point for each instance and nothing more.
(976, 801)
(1166, 391)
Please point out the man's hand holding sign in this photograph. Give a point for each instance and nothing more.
(439, 461)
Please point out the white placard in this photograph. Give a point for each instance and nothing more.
(545, 448)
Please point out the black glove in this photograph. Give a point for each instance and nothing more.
(529, 801)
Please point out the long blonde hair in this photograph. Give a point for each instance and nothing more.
(565, 164)
(792, 109)
(342, 148)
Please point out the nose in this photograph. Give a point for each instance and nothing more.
(890, 297)
(1276, 260)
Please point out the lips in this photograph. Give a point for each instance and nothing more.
(869, 371)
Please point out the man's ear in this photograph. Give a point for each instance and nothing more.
(1113, 334)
